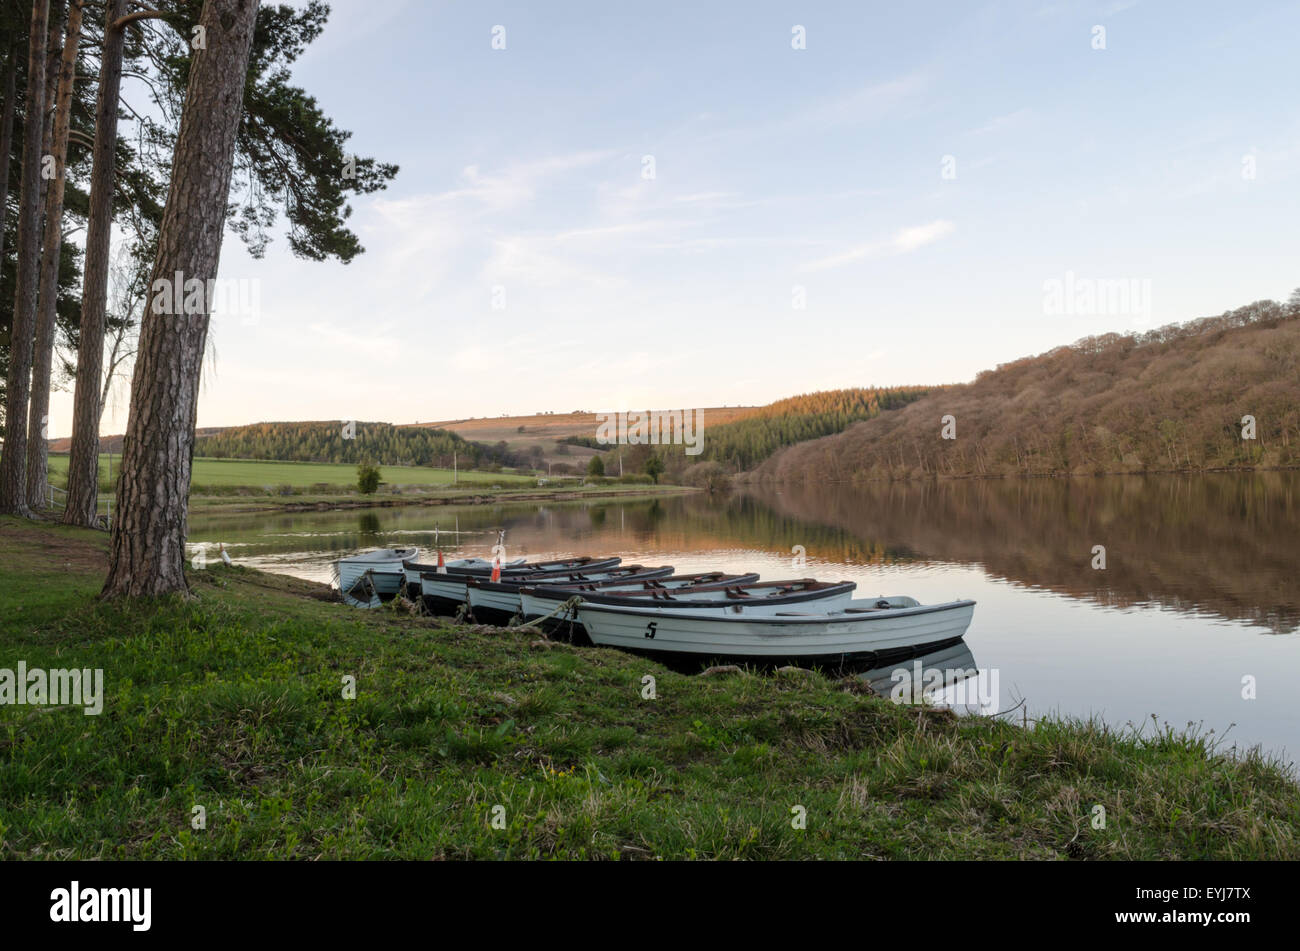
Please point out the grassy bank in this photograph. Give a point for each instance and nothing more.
(217, 474)
(256, 485)
(233, 702)
(481, 495)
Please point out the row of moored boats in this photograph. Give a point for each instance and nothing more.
(652, 610)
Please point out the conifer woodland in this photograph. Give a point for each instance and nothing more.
(352, 442)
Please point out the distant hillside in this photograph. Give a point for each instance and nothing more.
(332, 441)
(545, 433)
(748, 441)
(1169, 399)
(736, 437)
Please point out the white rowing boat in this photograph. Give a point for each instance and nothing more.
(459, 566)
(499, 601)
(482, 568)
(807, 634)
(372, 577)
(447, 592)
(544, 601)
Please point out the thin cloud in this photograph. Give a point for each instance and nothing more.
(704, 196)
(617, 230)
(870, 102)
(909, 239)
(903, 242)
(517, 184)
(1001, 122)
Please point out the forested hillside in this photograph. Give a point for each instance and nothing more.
(747, 442)
(1173, 398)
(334, 441)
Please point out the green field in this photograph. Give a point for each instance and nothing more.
(227, 473)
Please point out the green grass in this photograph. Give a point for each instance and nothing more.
(227, 473)
(241, 501)
(233, 701)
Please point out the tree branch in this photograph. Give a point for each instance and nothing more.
(130, 18)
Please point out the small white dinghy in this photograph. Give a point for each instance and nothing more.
(859, 631)
(369, 579)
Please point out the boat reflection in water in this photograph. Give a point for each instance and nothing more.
(946, 676)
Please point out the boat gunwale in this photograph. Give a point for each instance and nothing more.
(824, 589)
(745, 579)
(369, 557)
(512, 586)
(586, 563)
(840, 617)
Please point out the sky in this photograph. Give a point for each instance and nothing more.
(671, 205)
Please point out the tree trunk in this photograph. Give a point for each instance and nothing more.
(52, 50)
(13, 463)
(7, 137)
(83, 463)
(148, 547)
(52, 253)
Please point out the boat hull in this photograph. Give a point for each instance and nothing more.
(443, 594)
(373, 576)
(387, 583)
(492, 606)
(834, 639)
(707, 599)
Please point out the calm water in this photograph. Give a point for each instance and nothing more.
(1199, 590)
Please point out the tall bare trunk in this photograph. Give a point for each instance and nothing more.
(52, 50)
(13, 463)
(148, 548)
(83, 464)
(52, 253)
(7, 136)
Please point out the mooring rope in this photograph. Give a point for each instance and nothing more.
(566, 606)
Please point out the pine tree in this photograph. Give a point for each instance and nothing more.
(148, 545)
